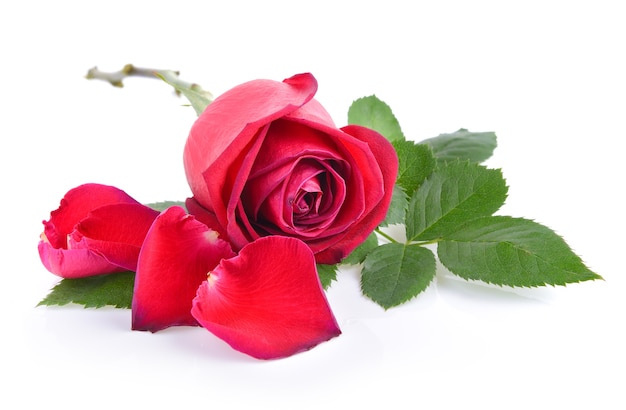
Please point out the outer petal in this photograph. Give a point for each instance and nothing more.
(387, 160)
(230, 123)
(313, 111)
(205, 216)
(75, 205)
(116, 232)
(74, 263)
(267, 302)
(177, 254)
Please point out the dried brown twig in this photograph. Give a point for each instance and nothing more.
(116, 78)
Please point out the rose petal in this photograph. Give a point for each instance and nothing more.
(280, 214)
(369, 177)
(74, 263)
(387, 160)
(61, 249)
(290, 153)
(267, 302)
(75, 205)
(175, 258)
(230, 123)
(288, 140)
(205, 216)
(116, 232)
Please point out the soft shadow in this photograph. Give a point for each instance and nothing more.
(197, 342)
(448, 282)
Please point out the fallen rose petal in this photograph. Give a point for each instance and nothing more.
(118, 242)
(175, 258)
(67, 250)
(75, 205)
(74, 263)
(267, 301)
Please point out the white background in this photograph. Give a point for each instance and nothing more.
(546, 76)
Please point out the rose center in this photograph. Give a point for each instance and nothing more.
(308, 199)
(300, 197)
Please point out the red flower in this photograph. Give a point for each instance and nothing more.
(96, 229)
(265, 158)
(267, 302)
(176, 256)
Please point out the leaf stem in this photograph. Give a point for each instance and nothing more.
(386, 236)
(422, 243)
(408, 242)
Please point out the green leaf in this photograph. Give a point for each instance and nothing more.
(397, 208)
(454, 194)
(395, 273)
(115, 289)
(512, 252)
(358, 255)
(373, 113)
(162, 206)
(198, 98)
(416, 163)
(463, 144)
(327, 274)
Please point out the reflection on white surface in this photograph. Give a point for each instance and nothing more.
(457, 341)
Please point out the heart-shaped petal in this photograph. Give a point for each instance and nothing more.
(267, 301)
(175, 258)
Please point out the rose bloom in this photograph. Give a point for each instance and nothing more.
(265, 158)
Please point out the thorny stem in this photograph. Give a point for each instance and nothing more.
(116, 78)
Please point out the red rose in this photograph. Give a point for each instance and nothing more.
(265, 158)
(96, 229)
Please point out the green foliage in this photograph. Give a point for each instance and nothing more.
(463, 144)
(444, 197)
(162, 206)
(373, 113)
(397, 208)
(454, 194)
(416, 163)
(198, 98)
(358, 255)
(114, 289)
(327, 274)
(395, 273)
(512, 252)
